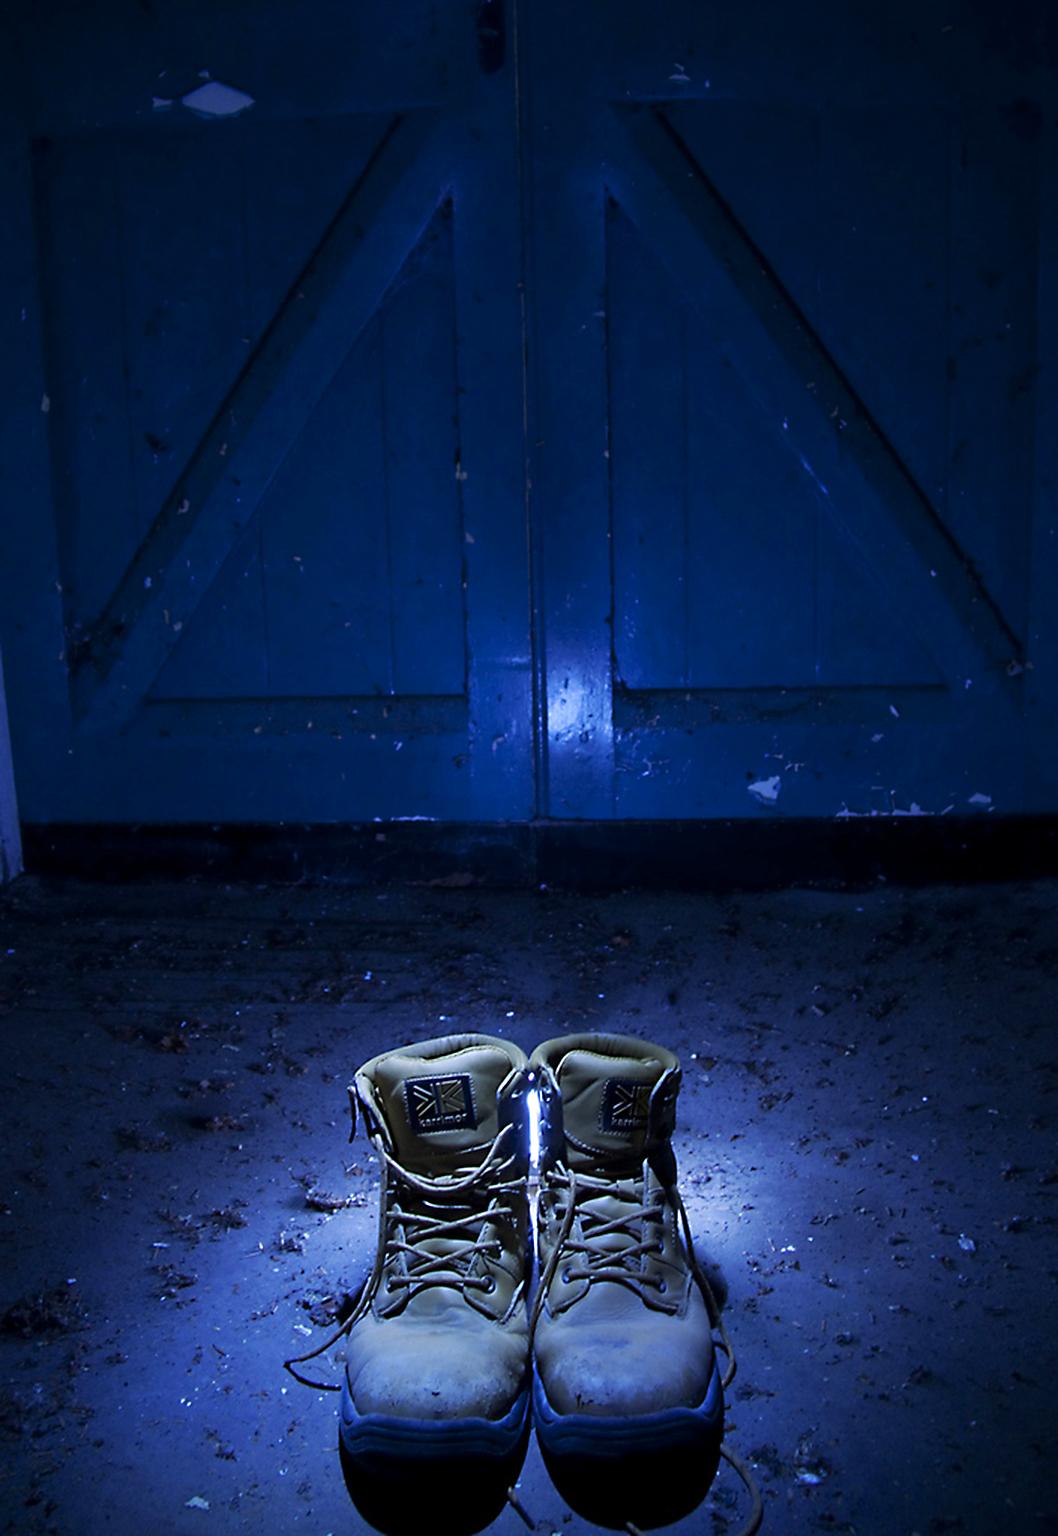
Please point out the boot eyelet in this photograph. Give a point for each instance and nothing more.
(567, 1275)
(662, 1287)
(488, 1284)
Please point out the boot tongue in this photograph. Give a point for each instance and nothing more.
(438, 1108)
(605, 1106)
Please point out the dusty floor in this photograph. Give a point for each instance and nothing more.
(867, 1145)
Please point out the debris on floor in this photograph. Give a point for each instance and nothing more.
(866, 1145)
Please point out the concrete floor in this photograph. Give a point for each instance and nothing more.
(867, 1146)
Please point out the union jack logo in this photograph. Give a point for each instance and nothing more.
(440, 1104)
(625, 1106)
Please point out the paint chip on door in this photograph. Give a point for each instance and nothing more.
(766, 790)
(215, 99)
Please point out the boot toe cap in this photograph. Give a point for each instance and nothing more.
(436, 1375)
(623, 1372)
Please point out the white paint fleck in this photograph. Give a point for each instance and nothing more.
(979, 799)
(45, 403)
(878, 736)
(766, 790)
(217, 100)
(161, 103)
(894, 712)
(914, 809)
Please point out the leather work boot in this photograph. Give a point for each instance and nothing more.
(624, 1361)
(437, 1360)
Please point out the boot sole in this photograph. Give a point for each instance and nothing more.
(609, 1435)
(650, 1469)
(385, 1437)
(462, 1467)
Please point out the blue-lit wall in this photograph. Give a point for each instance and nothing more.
(583, 412)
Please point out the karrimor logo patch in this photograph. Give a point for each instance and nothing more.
(625, 1106)
(440, 1104)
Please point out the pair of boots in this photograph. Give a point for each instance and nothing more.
(449, 1356)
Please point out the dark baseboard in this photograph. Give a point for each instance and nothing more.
(674, 855)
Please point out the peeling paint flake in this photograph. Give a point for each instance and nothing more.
(766, 791)
(215, 99)
(979, 799)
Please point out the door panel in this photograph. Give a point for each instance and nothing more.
(728, 567)
(349, 579)
(157, 295)
(284, 431)
(808, 599)
(912, 254)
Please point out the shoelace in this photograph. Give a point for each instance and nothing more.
(423, 1268)
(482, 1189)
(600, 1261)
(603, 1263)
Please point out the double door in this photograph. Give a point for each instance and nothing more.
(521, 410)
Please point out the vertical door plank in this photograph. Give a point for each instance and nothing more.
(323, 551)
(647, 443)
(32, 630)
(79, 238)
(424, 531)
(993, 325)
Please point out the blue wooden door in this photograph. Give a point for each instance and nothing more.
(783, 479)
(644, 413)
(265, 545)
